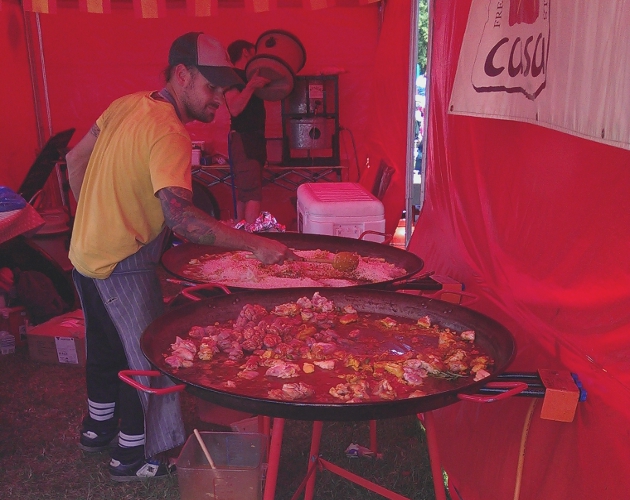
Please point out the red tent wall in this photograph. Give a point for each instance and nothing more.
(18, 127)
(535, 223)
(92, 59)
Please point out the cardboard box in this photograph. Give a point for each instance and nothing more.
(59, 340)
(15, 321)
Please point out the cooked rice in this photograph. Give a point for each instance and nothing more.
(236, 269)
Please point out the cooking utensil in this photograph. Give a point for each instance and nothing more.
(491, 336)
(204, 448)
(343, 261)
(177, 258)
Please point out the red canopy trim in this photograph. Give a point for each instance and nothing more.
(194, 8)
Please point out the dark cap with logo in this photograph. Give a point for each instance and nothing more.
(208, 55)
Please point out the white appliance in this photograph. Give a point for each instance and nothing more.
(343, 209)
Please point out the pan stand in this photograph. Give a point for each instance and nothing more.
(509, 388)
(308, 483)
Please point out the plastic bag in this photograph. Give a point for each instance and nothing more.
(10, 200)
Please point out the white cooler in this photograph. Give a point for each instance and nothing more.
(344, 209)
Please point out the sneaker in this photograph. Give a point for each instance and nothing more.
(91, 441)
(140, 470)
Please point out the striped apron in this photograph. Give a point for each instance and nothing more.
(132, 296)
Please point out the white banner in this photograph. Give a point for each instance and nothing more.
(562, 64)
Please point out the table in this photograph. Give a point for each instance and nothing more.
(287, 177)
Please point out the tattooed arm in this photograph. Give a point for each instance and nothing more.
(191, 223)
(77, 160)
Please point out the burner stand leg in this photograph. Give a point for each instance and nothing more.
(274, 458)
(312, 459)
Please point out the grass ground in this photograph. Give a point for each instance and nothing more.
(41, 407)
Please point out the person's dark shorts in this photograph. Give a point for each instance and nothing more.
(248, 155)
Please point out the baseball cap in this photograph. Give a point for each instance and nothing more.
(208, 55)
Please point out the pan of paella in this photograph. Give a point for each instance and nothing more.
(327, 353)
(374, 264)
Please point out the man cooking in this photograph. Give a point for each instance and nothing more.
(132, 179)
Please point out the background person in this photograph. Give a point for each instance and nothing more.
(137, 182)
(248, 147)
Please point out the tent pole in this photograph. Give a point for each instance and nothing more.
(411, 105)
(28, 35)
(44, 77)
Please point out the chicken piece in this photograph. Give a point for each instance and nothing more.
(320, 349)
(251, 363)
(252, 344)
(254, 312)
(207, 349)
(322, 304)
(456, 362)
(359, 391)
(235, 351)
(288, 309)
(282, 369)
(328, 335)
(432, 364)
(414, 377)
(177, 362)
(384, 390)
(354, 334)
(248, 374)
(388, 322)
(305, 331)
(349, 309)
(271, 340)
(304, 303)
(308, 367)
(349, 318)
(481, 374)
(197, 332)
(468, 335)
(307, 315)
(352, 362)
(424, 322)
(298, 390)
(249, 332)
(445, 339)
(328, 364)
(183, 354)
(390, 367)
(480, 363)
(184, 344)
(341, 391)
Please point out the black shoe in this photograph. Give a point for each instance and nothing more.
(140, 470)
(91, 441)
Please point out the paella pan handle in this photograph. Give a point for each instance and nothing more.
(125, 376)
(189, 292)
(388, 237)
(514, 388)
(421, 282)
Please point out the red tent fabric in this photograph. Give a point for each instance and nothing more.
(79, 62)
(535, 223)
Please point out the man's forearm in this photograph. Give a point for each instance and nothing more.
(191, 223)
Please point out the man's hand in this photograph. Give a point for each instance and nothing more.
(271, 251)
(257, 81)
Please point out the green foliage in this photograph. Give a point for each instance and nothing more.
(423, 34)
